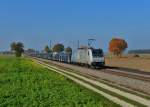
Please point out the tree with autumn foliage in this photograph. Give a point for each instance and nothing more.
(117, 46)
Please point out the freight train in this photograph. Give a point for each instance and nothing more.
(83, 56)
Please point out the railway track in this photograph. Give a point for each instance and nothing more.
(118, 78)
(90, 82)
(140, 75)
(125, 72)
(129, 74)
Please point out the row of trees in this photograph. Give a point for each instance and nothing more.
(57, 48)
(139, 51)
(116, 46)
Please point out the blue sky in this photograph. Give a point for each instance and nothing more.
(36, 22)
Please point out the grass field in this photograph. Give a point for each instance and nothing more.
(140, 63)
(23, 83)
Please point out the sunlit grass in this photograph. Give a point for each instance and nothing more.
(23, 83)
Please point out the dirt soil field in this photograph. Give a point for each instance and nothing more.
(142, 64)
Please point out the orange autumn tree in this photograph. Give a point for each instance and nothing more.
(117, 46)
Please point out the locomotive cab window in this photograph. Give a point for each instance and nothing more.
(97, 53)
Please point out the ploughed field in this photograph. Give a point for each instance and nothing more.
(141, 63)
(24, 83)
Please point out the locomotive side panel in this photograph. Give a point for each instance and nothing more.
(82, 56)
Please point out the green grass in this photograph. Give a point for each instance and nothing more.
(23, 83)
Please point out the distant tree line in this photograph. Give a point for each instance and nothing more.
(57, 48)
(139, 51)
(116, 46)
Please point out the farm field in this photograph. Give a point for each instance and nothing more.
(142, 64)
(23, 83)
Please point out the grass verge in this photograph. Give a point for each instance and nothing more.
(23, 83)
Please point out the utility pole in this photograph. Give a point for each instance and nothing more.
(78, 43)
(50, 44)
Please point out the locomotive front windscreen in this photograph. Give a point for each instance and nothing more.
(97, 53)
